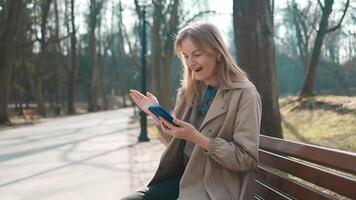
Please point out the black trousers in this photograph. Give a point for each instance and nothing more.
(167, 190)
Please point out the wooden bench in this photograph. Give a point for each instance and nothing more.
(292, 170)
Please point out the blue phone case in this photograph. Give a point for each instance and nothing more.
(159, 111)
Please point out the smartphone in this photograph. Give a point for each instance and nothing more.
(159, 111)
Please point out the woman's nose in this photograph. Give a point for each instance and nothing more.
(190, 62)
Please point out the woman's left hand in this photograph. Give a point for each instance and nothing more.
(184, 130)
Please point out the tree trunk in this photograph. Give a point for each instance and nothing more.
(167, 59)
(256, 55)
(309, 80)
(45, 6)
(92, 82)
(95, 7)
(162, 50)
(155, 69)
(73, 66)
(8, 41)
(119, 59)
(55, 91)
(101, 61)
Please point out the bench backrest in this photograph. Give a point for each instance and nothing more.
(293, 170)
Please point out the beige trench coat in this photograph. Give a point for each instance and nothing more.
(227, 169)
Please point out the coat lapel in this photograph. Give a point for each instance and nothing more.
(183, 108)
(217, 107)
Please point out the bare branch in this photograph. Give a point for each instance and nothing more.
(172, 23)
(320, 4)
(314, 22)
(56, 40)
(197, 16)
(137, 8)
(131, 50)
(342, 18)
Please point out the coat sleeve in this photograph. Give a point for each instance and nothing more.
(179, 98)
(241, 154)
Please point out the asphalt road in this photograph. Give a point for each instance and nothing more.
(72, 158)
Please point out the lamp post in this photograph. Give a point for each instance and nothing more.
(143, 117)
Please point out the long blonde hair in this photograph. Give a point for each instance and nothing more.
(206, 35)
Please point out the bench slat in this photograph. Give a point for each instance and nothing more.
(268, 193)
(289, 186)
(258, 197)
(339, 184)
(320, 155)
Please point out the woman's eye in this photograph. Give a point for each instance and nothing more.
(197, 55)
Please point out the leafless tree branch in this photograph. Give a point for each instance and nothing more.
(197, 16)
(342, 18)
(320, 4)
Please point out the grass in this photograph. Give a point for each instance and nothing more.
(328, 121)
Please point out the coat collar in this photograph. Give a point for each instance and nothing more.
(236, 83)
(217, 107)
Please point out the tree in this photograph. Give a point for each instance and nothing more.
(161, 48)
(323, 29)
(304, 22)
(73, 66)
(94, 17)
(253, 25)
(120, 59)
(40, 71)
(7, 41)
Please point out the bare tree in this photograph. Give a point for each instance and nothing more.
(304, 22)
(256, 55)
(71, 73)
(94, 17)
(323, 29)
(7, 41)
(120, 59)
(40, 71)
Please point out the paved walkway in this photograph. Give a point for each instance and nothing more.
(90, 156)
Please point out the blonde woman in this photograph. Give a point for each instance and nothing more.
(213, 152)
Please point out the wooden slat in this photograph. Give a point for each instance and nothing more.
(337, 183)
(289, 186)
(268, 193)
(258, 197)
(341, 160)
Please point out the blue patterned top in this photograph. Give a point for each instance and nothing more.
(207, 99)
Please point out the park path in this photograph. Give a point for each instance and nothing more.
(77, 157)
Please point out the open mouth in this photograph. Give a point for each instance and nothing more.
(198, 69)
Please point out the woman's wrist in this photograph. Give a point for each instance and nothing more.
(201, 140)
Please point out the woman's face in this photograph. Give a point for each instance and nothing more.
(202, 63)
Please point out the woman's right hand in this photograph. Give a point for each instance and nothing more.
(143, 102)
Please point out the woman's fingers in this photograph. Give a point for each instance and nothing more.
(164, 128)
(142, 101)
(166, 123)
(136, 99)
(139, 94)
(151, 96)
(136, 94)
(178, 122)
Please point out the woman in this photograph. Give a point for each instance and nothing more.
(214, 152)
